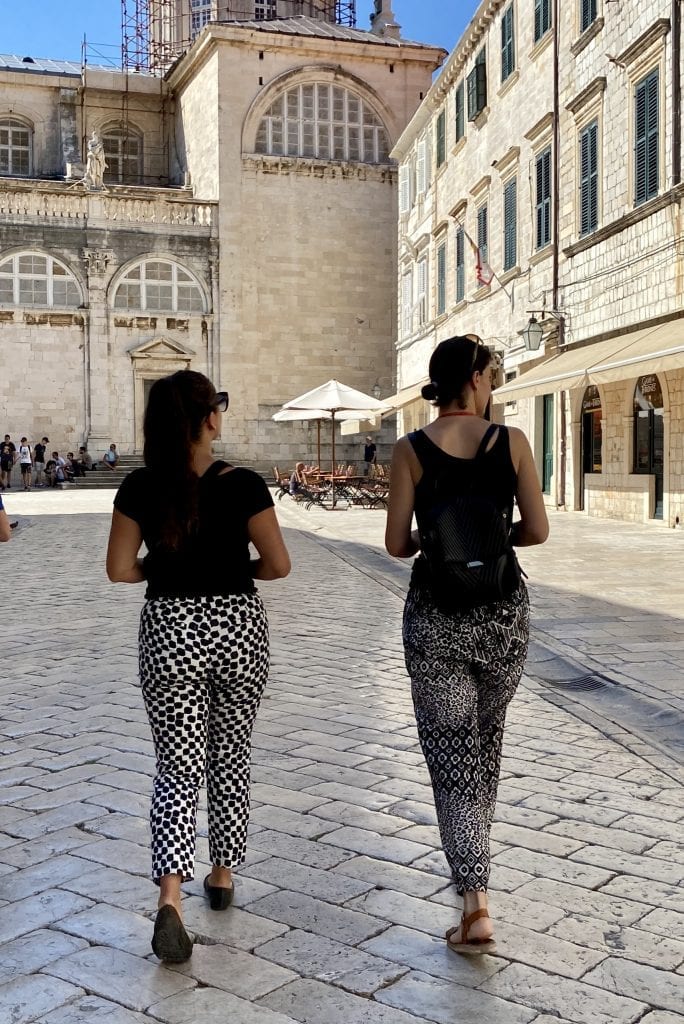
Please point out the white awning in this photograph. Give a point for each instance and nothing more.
(405, 396)
(631, 355)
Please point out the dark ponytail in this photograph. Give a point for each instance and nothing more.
(452, 366)
(176, 410)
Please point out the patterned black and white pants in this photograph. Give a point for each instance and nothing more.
(203, 667)
(464, 671)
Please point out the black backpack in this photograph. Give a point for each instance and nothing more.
(465, 540)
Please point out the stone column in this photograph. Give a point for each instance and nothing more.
(99, 427)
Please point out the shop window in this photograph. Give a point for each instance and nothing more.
(592, 431)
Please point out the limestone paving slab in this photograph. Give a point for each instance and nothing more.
(93, 1010)
(301, 911)
(430, 955)
(25, 998)
(399, 851)
(37, 912)
(214, 1006)
(21, 854)
(325, 885)
(664, 922)
(657, 950)
(312, 1002)
(30, 952)
(103, 925)
(446, 1002)
(243, 974)
(120, 977)
(384, 874)
(658, 988)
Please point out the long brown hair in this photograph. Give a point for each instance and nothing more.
(176, 411)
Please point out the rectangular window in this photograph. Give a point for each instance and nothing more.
(441, 279)
(543, 204)
(421, 300)
(483, 233)
(407, 303)
(477, 86)
(646, 139)
(507, 44)
(542, 18)
(441, 138)
(404, 189)
(421, 168)
(588, 14)
(460, 112)
(460, 265)
(510, 224)
(589, 179)
(264, 10)
(200, 13)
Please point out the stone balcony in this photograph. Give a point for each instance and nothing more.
(116, 206)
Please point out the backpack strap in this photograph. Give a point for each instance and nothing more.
(489, 432)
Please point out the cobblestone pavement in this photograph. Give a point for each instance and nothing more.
(341, 908)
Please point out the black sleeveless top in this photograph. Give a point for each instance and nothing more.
(490, 474)
(215, 559)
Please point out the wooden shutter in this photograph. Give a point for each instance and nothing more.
(441, 279)
(589, 179)
(422, 290)
(646, 132)
(482, 233)
(460, 112)
(441, 138)
(507, 45)
(510, 224)
(538, 30)
(460, 265)
(421, 178)
(404, 189)
(407, 302)
(544, 198)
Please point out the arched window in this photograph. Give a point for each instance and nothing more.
(15, 148)
(30, 279)
(592, 431)
(323, 121)
(124, 155)
(649, 434)
(158, 286)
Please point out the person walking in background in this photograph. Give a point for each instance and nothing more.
(25, 463)
(7, 455)
(369, 456)
(464, 653)
(203, 641)
(39, 450)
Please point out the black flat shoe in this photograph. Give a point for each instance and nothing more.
(170, 942)
(219, 897)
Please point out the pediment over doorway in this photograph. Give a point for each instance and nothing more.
(161, 348)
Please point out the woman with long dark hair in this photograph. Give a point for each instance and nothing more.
(465, 663)
(203, 641)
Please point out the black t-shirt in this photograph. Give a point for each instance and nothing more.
(39, 452)
(215, 559)
(369, 453)
(7, 451)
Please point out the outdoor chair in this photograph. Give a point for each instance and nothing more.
(282, 483)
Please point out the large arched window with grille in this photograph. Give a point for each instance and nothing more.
(123, 147)
(16, 156)
(323, 121)
(159, 286)
(33, 279)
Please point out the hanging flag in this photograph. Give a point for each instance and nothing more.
(483, 272)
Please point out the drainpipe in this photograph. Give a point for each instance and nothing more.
(676, 93)
(556, 238)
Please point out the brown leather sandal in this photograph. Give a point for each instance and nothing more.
(470, 947)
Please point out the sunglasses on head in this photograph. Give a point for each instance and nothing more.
(222, 401)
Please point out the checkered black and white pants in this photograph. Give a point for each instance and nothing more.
(203, 667)
(464, 671)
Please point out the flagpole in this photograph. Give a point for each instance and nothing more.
(478, 266)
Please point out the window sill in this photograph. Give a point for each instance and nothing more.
(439, 171)
(587, 36)
(460, 306)
(461, 144)
(633, 216)
(542, 44)
(542, 254)
(481, 118)
(509, 83)
(510, 274)
(482, 292)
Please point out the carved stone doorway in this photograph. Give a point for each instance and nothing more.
(151, 360)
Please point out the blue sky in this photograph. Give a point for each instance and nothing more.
(42, 28)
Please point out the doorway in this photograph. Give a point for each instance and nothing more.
(649, 435)
(592, 437)
(547, 443)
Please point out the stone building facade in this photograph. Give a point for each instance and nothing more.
(246, 228)
(572, 196)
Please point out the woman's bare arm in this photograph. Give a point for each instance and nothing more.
(5, 529)
(125, 540)
(273, 562)
(400, 541)
(533, 527)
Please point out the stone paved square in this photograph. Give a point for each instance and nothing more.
(342, 905)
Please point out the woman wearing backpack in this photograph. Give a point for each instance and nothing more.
(203, 640)
(466, 625)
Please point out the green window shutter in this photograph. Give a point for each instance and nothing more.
(441, 138)
(460, 112)
(511, 224)
(477, 86)
(542, 18)
(507, 45)
(543, 204)
(646, 133)
(589, 179)
(441, 279)
(460, 265)
(482, 233)
(588, 14)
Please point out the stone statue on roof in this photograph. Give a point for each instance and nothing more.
(96, 165)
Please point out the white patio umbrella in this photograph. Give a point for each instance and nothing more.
(336, 398)
(286, 415)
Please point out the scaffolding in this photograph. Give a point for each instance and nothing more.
(154, 33)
